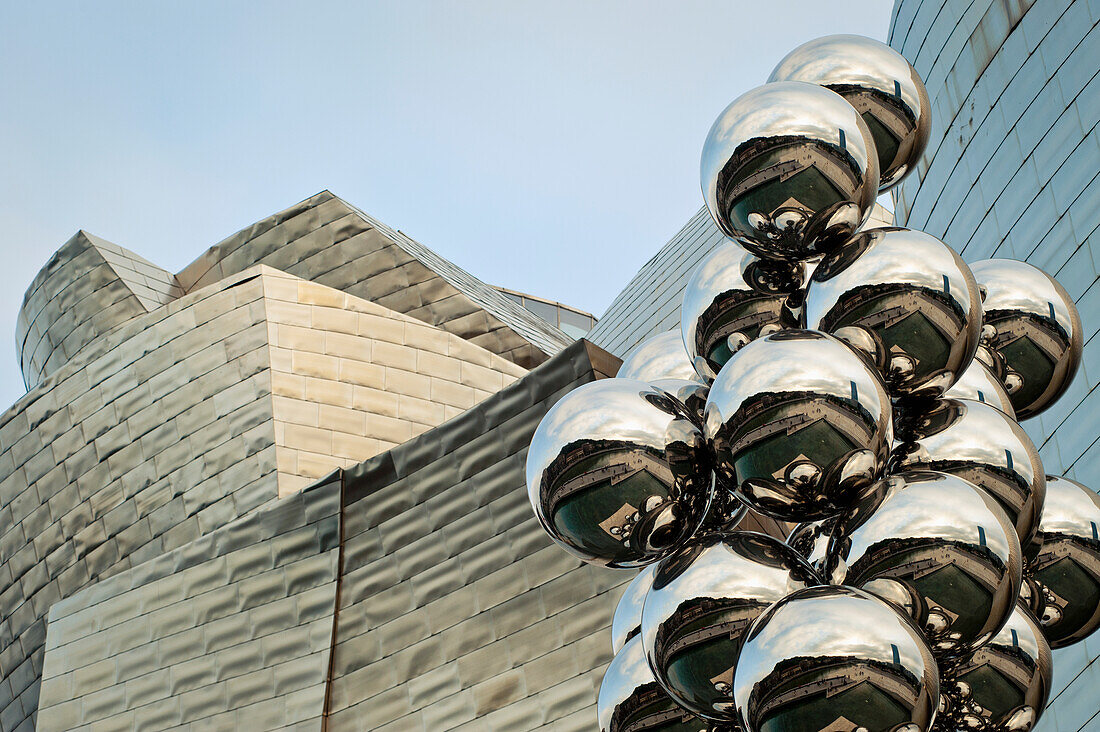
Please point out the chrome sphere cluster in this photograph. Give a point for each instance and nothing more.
(859, 387)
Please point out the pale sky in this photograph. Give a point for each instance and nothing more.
(550, 147)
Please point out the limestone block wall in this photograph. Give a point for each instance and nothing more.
(1013, 170)
(232, 631)
(351, 379)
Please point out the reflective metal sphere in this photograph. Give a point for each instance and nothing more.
(905, 298)
(1066, 570)
(835, 658)
(627, 621)
(619, 473)
(631, 700)
(939, 548)
(660, 356)
(883, 87)
(691, 393)
(790, 170)
(799, 424)
(978, 383)
(1038, 331)
(731, 298)
(986, 447)
(811, 541)
(702, 601)
(1004, 685)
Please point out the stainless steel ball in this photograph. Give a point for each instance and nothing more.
(1004, 685)
(1066, 570)
(835, 658)
(811, 541)
(731, 298)
(986, 447)
(1037, 328)
(799, 424)
(631, 700)
(661, 356)
(790, 170)
(627, 620)
(883, 87)
(978, 383)
(619, 473)
(940, 549)
(909, 297)
(691, 393)
(702, 600)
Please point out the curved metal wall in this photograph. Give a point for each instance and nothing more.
(1013, 170)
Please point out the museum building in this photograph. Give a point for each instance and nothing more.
(284, 487)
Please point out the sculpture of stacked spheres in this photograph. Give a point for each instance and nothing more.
(860, 387)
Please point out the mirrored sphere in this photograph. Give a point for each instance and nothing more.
(811, 540)
(627, 621)
(905, 298)
(883, 87)
(660, 356)
(691, 393)
(1066, 570)
(1004, 685)
(631, 700)
(790, 170)
(731, 298)
(940, 549)
(835, 658)
(986, 447)
(619, 473)
(978, 383)
(702, 600)
(799, 424)
(1037, 331)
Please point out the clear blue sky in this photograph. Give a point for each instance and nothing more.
(550, 147)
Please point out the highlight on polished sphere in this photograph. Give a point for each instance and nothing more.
(985, 446)
(731, 298)
(911, 301)
(1066, 570)
(627, 620)
(702, 601)
(978, 383)
(658, 357)
(835, 658)
(883, 87)
(790, 170)
(940, 549)
(1036, 331)
(630, 699)
(799, 423)
(619, 473)
(1004, 685)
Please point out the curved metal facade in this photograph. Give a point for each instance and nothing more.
(1013, 170)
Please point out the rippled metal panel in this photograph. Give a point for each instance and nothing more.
(455, 609)
(329, 241)
(231, 631)
(88, 287)
(1012, 171)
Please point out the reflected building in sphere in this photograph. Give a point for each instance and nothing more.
(284, 487)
